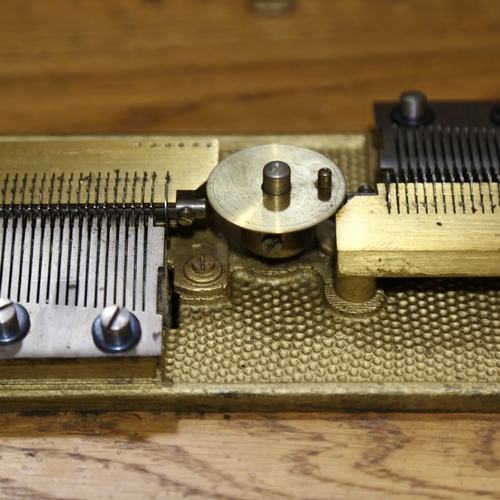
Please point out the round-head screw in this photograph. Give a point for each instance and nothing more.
(276, 178)
(116, 330)
(185, 216)
(14, 322)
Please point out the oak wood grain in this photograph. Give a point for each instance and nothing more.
(284, 456)
(210, 66)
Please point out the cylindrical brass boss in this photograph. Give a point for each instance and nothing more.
(276, 178)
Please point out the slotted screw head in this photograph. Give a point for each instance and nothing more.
(14, 322)
(116, 329)
(203, 264)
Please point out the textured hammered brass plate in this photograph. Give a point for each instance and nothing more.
(275, 336)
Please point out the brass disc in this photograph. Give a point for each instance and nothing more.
(234, 189)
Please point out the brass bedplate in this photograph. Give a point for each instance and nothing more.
(380, 298)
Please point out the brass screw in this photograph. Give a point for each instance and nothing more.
(272, 244)
(203, 264)
(202, 269)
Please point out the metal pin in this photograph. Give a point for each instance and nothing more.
(324, 178)
(276, 178)
(412, 110)
(413, 105)
(14, 322)
(116, 330)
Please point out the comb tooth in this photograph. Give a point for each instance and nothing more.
(486, 164)
(68, 193)
(13, 191)
(115, 191)
(148, 296)
(446, 142)
(22, 191)
(479, 171)
(38, 231)
(106, 193)
(26, 261)
(73, 262)
(125, 187)
(438, 164)
(140, 258)
(17, 259)
(79, 192)
(129, 265)
(9, 253)
(467, 166)
(120, 262)
(403, 170)
(55, 254)
(102, 261)
(421, 165)
(494, 144)
(17, 265)
(3, 232)
(449, 166)
(4, 192)
(153, 186)
(143, 191)
(64, 258)
(59, 188)
(134, 193)
(91, 288)
(45, 257)
(134, 264)
(97, 188)
(431, 163)
(32, 193)
(88, 190)
(83, 262)
(436, 146)
(112, 230)
(51, 190)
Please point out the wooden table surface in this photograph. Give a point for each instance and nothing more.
(132, 66)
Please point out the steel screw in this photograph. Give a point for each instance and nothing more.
(413, 105)
(116, 329)
(413, 110)
(185, 216)
(14, 322)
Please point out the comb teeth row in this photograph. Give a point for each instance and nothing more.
(81, 193)
(466, 158)
(82, 261)
(442, 198)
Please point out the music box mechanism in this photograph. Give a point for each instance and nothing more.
(291, 272)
